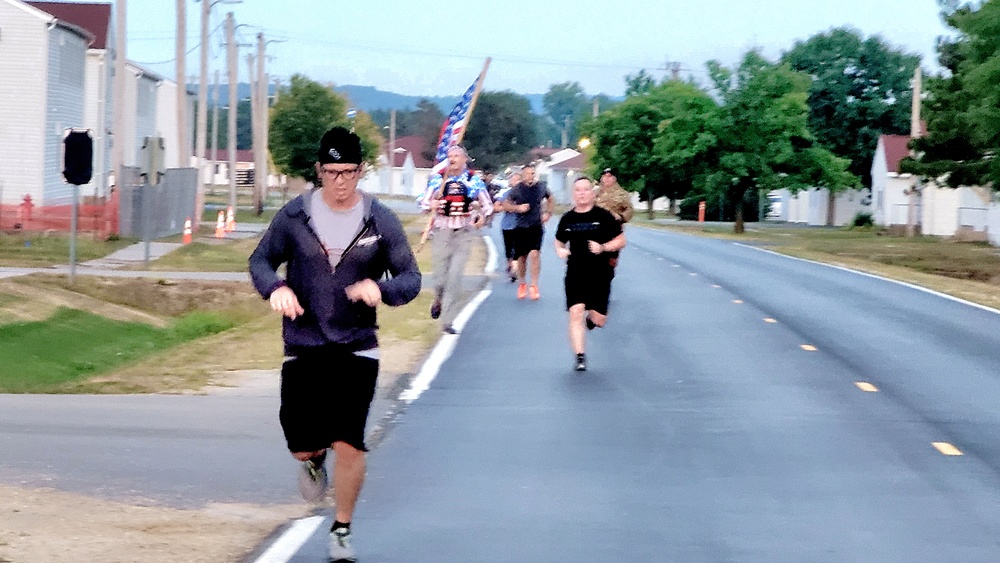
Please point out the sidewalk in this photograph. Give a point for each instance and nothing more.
(114, 264)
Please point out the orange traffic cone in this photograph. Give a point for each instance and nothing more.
(187, 231)
(230, 220)
(220, 226)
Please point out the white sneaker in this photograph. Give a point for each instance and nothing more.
(313, 481)
(340, 545)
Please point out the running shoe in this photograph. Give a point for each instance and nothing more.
(448, 329)
(591, 325)
(340, 545)
(313, 480)
(581, 363)
(436, 308)
(522, 291)
(533, 292)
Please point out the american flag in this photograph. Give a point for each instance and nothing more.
(454, 127)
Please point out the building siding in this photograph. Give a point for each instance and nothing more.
(66, 69)
(23, 66)
(98, 92)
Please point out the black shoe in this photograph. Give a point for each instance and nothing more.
(590, 324)
(436, 309)
(581, 363)
(448, 329)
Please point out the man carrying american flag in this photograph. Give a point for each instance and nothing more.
(459, 204)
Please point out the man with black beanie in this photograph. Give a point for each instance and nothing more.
(345, 253)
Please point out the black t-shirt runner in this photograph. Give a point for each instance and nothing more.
(576, 229)
(533, 196)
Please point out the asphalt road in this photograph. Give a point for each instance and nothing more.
(704, 430)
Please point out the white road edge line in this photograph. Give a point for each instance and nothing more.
(446, 345)
(289, 543)
(877, 277)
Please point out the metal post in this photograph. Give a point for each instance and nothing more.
(392, 149)
(183, 144)
(260, 147)
(201, 133)
(253, 128)
(72, 233)
(231, 63)
(215, 130)
(118, 119)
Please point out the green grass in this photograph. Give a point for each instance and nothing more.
(38, 250)
(227, 256)
(72, 345)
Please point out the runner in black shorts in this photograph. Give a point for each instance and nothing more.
(587, 236)
(533, 204)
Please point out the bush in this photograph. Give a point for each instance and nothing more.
(862, 220)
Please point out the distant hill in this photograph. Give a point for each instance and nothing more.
(369, 98)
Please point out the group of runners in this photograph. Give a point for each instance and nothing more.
(345, 254)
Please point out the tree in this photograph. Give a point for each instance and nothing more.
(963, 104)
(623, 139)
(764, 142)
(304, 111)
(860, 90)
(425, 121)
(639, 83)
(502, 130)
(566, 104)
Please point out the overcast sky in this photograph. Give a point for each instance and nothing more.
(437, 48)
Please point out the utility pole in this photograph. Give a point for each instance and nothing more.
(201, 133)
(253, 130)
(392, 149)
(565, 132)
(233, 80)
(118, 117)
(183, 144)
(674, 67)
(597, 106)
(915, 131)
(277, 90)
(215, 128)
(260, 146)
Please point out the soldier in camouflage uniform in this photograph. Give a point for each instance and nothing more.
(613, 198)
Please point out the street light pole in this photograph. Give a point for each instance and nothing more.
(202, 133)
(183, 142)
(233, 105)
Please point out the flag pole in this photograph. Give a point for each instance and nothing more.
(475, 98)
(426, 233)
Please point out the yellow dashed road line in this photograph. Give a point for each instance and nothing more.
(865, 386)
(808, 347)
(946, 448)
(769, 320)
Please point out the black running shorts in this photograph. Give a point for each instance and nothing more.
(326, 392)
(508, 243)
(592, 289)
(527, 239)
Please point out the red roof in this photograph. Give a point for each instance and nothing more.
(222, 155)
(896, 149)
(94, 18)
(413, 144)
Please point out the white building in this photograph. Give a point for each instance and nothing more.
(890, 202)
(811, 206)
(42, 65)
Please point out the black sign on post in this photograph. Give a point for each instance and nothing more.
(78, 157)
